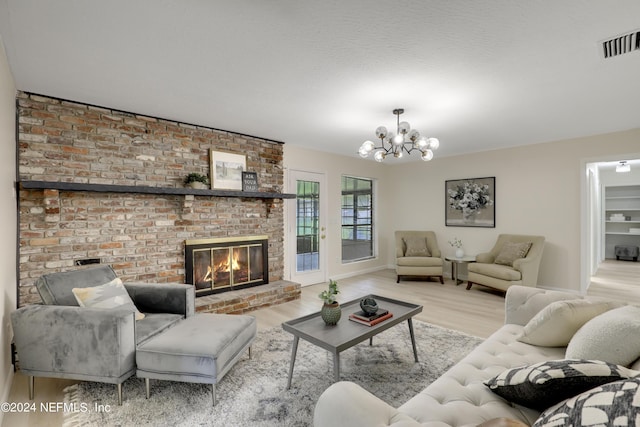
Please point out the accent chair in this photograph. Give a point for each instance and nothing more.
(513, 260)
(418, 255)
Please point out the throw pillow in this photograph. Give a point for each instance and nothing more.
(416, 246)
(108, 296)
(613, 404)
(608, 337)
(555, 325)
(544, 384)
(512, 251)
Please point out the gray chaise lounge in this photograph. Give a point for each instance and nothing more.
(63, 340)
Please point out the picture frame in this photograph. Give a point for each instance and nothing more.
(226, 170)
(470, 202)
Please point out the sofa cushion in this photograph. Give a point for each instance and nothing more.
(495, 270)
(555, 325)
(613, 404)
(459, 397)
(418, 261)
(541, 385)
(55, 288)
(416, 246)
(503, 422)
(608, 337)
(108, 296)
(153, 324)
(512, 251)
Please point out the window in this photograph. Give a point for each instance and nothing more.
(357, 219)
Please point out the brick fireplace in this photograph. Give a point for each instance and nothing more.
(116, 195)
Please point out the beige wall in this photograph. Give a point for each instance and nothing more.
(8, 214)
(538, 191)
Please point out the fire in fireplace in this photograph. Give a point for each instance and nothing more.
(220, 265)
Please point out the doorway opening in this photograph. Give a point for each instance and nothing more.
(611, 223)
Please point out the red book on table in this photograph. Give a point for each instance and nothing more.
(371, 322)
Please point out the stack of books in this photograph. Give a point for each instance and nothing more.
(371, 319)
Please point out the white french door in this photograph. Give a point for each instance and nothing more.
(307, 229)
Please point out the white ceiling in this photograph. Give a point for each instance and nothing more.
(478, 75)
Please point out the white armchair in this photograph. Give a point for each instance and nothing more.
(418, 255)
(508, 263)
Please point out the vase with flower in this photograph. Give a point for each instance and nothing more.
(457, 243)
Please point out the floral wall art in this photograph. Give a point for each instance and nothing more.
(470, 202)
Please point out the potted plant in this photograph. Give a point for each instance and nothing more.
(196, 180)
(330, 311)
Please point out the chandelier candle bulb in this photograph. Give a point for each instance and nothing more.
(406, 140)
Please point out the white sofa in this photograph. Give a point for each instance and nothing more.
(459, 397)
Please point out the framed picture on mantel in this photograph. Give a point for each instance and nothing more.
(470, 202)
(226, 170)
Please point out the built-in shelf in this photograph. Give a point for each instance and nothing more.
(625, 200)
(142, 189)
(622, 233)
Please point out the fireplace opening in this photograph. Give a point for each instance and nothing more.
(225, 264)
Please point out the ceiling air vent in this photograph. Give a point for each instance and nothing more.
(621, 44)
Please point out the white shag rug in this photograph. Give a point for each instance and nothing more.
(254, 392)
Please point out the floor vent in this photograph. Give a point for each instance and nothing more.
(621, 44)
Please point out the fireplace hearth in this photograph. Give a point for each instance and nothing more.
(225, 264)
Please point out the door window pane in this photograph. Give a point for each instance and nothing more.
(307, 225)
(357, 219)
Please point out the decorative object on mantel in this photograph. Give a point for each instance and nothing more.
(470, 202)
(249, 181)
(457, 243)
(226, 170)
(368, 305)
(397, 144)
(196, 180)
(331, 311)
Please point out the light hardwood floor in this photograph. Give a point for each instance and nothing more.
(617, 279)
(477, 312)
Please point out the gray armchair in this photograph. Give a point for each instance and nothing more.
(63, 340)
(418, 255)
(501, 268)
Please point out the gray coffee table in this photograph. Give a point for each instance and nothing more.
(347, 333)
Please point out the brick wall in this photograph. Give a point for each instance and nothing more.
(141, 235)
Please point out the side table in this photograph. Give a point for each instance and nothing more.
(456, 262)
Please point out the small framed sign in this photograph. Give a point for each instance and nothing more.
(249, 181)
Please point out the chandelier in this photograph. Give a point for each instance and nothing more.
(405, 140)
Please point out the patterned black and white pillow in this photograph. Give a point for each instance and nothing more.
(613, 404)
(544, 384)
